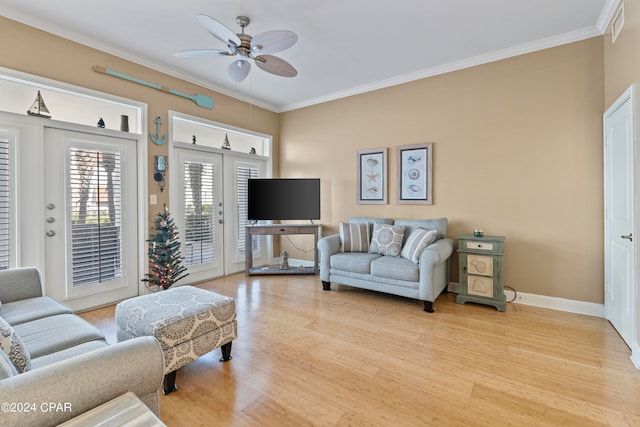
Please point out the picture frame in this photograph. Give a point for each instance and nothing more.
(415, 174)
(372, 176)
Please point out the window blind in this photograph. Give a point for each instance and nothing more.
(199, 213)
(5, 203)
(243, 174)
(94, 178)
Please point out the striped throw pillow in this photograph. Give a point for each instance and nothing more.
(354, 237)
(419, 239)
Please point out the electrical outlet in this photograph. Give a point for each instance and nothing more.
(153, 199)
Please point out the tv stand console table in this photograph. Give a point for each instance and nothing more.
(280, 229)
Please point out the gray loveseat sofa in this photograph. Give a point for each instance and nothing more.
(73, 369)
(423, 280)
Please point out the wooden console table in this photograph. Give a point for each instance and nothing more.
(280, 229)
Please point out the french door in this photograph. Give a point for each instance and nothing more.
(209, 202)
(90, 206)
(238, 170)
(199, 212)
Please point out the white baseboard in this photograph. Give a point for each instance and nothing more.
(554, 303)
(635, 355)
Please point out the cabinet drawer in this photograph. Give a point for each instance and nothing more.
(273, 230)
(481, 286)
(483, 246)
(480, 264)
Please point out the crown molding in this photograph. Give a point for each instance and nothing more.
(93, 43)
(597, 30)
(498, 55)
(608, 10)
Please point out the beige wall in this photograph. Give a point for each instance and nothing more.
(40, 53)
(517, 152)
(517, 147)
(622, 58)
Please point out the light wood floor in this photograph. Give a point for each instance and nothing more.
(349, 357)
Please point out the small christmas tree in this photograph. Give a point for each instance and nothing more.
(164, 254)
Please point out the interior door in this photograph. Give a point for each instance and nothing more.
(91, 218)
(620, 211)
(238, 170)
(199, 210)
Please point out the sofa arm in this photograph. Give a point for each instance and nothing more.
(431, 280)
(440, 250)
(58, 392)
(327, 246)
(19, 283)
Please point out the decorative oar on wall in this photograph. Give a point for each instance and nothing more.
(200, 100)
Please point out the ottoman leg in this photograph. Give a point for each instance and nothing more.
(169, 383)
(226, 352)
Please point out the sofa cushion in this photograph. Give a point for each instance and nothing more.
(67, 353)
(386, 239)
(12, 345)
(397, 268)
(55, 333)
(416, 242)
(354, 237)
(439, 224)
(7, 369)
(30, 309)
(353, 262)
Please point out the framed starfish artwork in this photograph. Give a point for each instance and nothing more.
(372, 176)
(415, 174)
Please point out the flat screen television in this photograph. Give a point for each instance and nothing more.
(283, 199)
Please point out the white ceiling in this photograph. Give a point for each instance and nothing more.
(345, 47)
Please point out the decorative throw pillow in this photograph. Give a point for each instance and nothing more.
(386, 239)
(416, 242)
(354, 237)
(6, 367)
(11, 344)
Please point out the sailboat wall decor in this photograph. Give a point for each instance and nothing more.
(38, 108)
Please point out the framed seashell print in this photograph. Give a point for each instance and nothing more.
(415, 182)
(372, 176)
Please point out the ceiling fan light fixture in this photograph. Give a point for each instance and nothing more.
(247, 47)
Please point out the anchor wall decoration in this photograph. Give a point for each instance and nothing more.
(156, 139)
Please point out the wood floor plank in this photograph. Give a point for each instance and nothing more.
(350, 357)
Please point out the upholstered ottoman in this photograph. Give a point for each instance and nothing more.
(189, 322)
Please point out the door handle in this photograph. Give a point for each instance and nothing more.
(51, 233)
(628, 236)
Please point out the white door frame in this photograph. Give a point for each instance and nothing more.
(231, 264)
(632, 94)
(31, 194)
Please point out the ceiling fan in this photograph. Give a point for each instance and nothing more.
(247, 48)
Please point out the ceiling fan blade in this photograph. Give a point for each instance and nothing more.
(273, 41)
(218, 30)
(274, 65)
(202, 53)
(238, 70)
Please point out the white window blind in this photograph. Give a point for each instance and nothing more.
(198, 213)
(5, 205)
(95, 185)
(243, 174)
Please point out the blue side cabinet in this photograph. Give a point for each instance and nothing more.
(480, 263)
